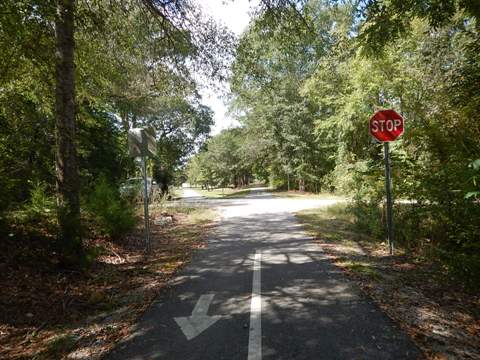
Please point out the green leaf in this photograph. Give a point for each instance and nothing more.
(471, 194)
(475, 164)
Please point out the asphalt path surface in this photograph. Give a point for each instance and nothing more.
(263, 290)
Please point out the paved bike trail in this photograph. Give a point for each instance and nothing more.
(263, 290)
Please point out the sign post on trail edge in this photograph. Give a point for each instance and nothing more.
(386, 126)
(141, 143)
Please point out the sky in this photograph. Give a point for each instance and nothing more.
(235, 15)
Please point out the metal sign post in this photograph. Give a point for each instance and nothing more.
(386, 126)
(145, 204)
(388, 189)
(141, 142)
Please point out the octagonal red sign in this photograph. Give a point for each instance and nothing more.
(386, 125)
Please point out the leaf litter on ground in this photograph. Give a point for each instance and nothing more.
(441, 315)
(52, 313)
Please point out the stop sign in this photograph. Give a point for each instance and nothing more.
(386, 125)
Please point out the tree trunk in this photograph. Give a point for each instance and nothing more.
(301, 185)
(67, 175)
(125, 121)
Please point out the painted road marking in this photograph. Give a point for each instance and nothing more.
(255, 335)
(199, 321)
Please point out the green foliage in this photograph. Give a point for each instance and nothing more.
(223, 162)
(368, 218)
(41, 203)
(59, 346)
(303, 86)
(432, 231)
(385, 21)
(365, 269)
(181, 127)
(305, 101)
(36, 218)
(112, 215)
(279, 116)
(475, 166)
(102, 148)
(465, 266)
(277, 183)
(123, 79)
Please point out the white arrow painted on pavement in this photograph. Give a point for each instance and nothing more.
(199, 321)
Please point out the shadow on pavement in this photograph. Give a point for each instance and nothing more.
(310, 310)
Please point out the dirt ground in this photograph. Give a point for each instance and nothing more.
(50, 313)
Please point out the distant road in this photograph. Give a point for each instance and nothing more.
(189, 193)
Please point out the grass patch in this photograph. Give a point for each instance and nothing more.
(360, 268)
(202, 216)
(176, 192)
(294, 194)
(222, 193)
(59, 346)
(182, 209)
(331, 223)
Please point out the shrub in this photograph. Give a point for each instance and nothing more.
(447, 232)
(113, 216)
(368, 218)
(40, 202)
(34, 220)
(38, 215)
(464, 266)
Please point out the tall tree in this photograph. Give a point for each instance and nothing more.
(172, 30)
(68, 185)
